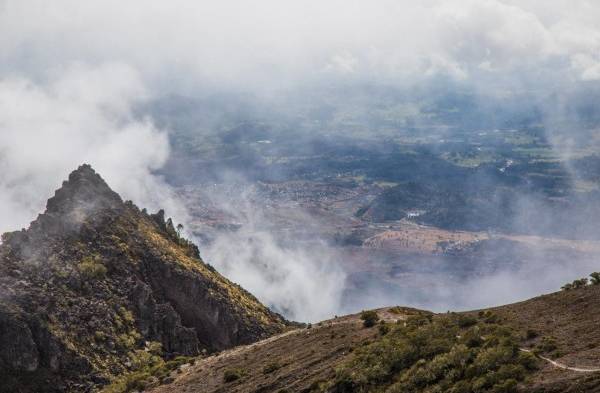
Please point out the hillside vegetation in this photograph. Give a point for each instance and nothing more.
(409, 350)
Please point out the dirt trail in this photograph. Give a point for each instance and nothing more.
(564, 366)
(244, 348)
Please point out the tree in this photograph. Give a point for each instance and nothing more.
(567, 287)
(369, 318)
(582, 282)
(179, 229)
(595, 278)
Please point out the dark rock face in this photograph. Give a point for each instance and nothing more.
(94, 278)
(19, 351)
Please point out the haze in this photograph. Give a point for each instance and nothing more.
(168, 99)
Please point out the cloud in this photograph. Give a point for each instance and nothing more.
(302, 284)
(72, 74)
(270, 44)
(85, 115)
(273, 252)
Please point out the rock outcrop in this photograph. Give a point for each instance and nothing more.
(94, 279)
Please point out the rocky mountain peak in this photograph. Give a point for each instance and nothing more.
(94, 279)
(85, 189)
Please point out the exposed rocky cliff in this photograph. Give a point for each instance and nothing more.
(94, 279)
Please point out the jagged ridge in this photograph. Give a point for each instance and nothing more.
(94, 278)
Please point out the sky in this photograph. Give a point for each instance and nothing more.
(72, 73)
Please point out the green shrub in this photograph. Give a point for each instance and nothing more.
(466, 321)
(507, 386)
(396, 310)
(233, 374)
(547, 345)
(595, 278)
(369, 318)
(384, 328)
(447, 353)
(582, 282)
(126, 315)
(91, 268)
(490, 317)
(149, 369)
(472, 337)
(271, 367)
(579, 283)
(99, 336)
(528, 360)
(127, 341)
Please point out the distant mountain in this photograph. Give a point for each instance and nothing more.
(96, 285)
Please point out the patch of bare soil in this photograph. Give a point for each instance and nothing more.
(418, 238)
(413, 237)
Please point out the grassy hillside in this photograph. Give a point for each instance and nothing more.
(416, 351)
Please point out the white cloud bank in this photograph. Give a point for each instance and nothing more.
(182, 44)
(84, 115)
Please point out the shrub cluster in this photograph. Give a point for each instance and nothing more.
(148, 369)
(369, 318)
(449, 353)
(582, 282)
(91, 268)
(271, 367)
(233, 374)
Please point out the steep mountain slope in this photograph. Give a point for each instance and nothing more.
(94, 281)
(479, 351)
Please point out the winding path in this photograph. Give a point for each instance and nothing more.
(564, 366)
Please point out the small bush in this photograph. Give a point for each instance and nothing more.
(99, 336)
(127, 340)
(396, 310)
(369, 318)
(465, 321)
(126, 315)
(149, 370)
(384, 328)
(528, 360)
(490, 317)
(271, 367)
(531, 334)
(547, 345)
(595, 278)
(232, 374)
(580, 283)
(91, 268)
